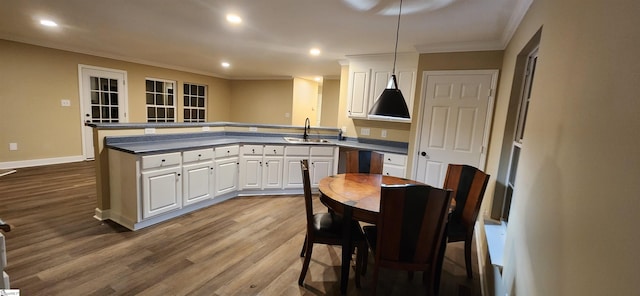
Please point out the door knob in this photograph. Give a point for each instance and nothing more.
(424, 154)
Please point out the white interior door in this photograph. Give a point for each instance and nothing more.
(102, 99)
(455, 122)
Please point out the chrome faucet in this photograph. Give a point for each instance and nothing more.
(307, 126)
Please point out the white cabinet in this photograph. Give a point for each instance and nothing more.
(292, 173)
(273, 167)
(251, 167)
(226, 172)
(261, 167)
(197, 176)
(322, 163)
(161, 184)
(394, 165)
(369, 76)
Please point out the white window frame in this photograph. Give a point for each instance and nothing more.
(167, 96)
(189, 107)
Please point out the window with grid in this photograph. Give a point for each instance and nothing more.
(195, 100)
(104, 100)
(161, 105)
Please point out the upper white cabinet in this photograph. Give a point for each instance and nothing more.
(369, 76)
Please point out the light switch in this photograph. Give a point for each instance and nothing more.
(365, 131)
(65, 103)
(383, 133)
(13, 146)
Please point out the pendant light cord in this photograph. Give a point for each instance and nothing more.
(395, 51)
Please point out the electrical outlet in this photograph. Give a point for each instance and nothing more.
(65, 103)
(13, 146)
(287, 115)
(344, 129)
(206, 129)
(383, 133)
(365, 131)
(149, 130)
(253, 129)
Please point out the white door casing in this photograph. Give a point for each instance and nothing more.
(455, 118)
(100, 103)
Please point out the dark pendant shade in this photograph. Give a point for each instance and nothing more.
(391, 102)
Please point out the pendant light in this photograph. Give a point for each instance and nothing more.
(391, 103)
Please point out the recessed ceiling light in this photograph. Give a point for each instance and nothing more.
(48, 23)
(314, 52)
(234, 19)
(225, 64)
(318, 79)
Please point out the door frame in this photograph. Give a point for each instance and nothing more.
(420, 117)
(124, 103)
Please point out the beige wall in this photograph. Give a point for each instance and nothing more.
(572, 228)
(35, 79)
(305, 101)
(261, 101)
(330, 102)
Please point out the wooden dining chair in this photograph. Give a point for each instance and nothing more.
(326, 228)
(363, 161)
(468, 185)
(409, 232)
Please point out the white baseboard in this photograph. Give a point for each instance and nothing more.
(40, 162)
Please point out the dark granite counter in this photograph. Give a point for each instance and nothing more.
(153, 144)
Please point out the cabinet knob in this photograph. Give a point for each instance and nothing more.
(163, 160)
(199, 155)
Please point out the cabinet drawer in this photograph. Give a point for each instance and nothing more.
(197, 155)
(251, 149)
(322, 151)
(397, 159)
(226, 151)
(161, 160)
(273, 150)
(297, 151)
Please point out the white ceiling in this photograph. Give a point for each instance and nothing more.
(274, 39)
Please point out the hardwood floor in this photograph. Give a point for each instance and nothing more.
(244, 246)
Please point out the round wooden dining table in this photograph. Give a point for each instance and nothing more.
(354, 196)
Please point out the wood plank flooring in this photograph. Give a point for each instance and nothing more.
(244, 246)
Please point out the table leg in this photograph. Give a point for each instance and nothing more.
(346, 249)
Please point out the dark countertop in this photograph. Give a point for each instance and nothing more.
(153, 144)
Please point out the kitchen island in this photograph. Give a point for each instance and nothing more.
(149, 173)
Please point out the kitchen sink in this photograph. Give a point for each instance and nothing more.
(305, 141)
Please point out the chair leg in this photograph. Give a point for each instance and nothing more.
(467, 257)
(359, 263)
(304, 246)
(305, 265)
(364, 258)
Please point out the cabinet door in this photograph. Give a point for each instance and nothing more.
(251, 172)
(197, 182)
(358, 97)
(406, 83)
(272, 172)
(320, 167)
(161, 191)
(226, 175)
(292, 173)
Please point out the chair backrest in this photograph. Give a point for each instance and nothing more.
(468, 184)
(363, 161)
(306, 181)
(411, 225)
